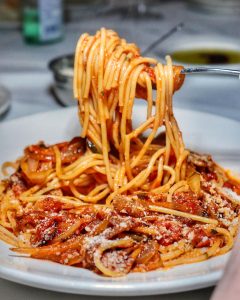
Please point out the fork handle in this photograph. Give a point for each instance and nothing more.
(218, 71)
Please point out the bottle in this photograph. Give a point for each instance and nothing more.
(42, 21)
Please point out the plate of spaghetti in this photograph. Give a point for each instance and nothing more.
(118, 205)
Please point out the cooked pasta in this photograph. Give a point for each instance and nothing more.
(119, 198)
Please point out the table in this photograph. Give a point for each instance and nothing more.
(24, 71)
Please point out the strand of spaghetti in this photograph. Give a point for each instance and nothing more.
(76, 163)
(127, 158)
(11, 219)
(135, 75)
(63, 199)
(87, 48)
(139, 179)
(113, 42)
(89, 199)
(183, 170)
(93, 110)
(109, 70)
(124, 124)
(86, 119)
(195, 255)
(172, 255)
(110, 101)
(97, 189)
(95, 139)
(89, 70)
(146, 230)
(122, 177)
(174, 212)
(143, 127)
(158, 179)
(101, 59)
(121, 243)
(113, 108)
(78, 66)
(176, 132)
(82, 166)
(115, 131)
(187, 258)
(94, 126)
(81, 99)
(183, 156)
(214, 248)
(126, 75)
(146, 144)
(86, 165)
(94, 94)
(168, 117)
(172, 251)
(116, 180)
(228, 240)
(161, 92)
(116, 75)
(102, 170)
(167, 154)
(170, 134)
(50, 186)
(149, 94)
(93, 129)
(83, 180)
(70, 231)
(166, 186)
(151, 136)
(105, 144)
(174, 188)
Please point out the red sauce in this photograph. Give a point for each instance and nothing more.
(50, 205)
(233, 186)
(200, 238)
(209, 176)
(170, 231)
(150, 72)
(188, 202)
(17, 184)
(70, 151)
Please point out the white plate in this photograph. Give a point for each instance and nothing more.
(202, 132)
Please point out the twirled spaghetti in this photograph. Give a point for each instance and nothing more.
(113, 200)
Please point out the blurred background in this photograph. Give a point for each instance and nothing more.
(35, 33)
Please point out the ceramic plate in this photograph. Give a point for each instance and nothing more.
(202, 132)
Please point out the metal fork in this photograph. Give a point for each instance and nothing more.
(191, 70)
(206, 70)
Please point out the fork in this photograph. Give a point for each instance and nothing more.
(218, 71)
(190, 70)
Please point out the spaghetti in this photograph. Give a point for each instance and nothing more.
(113, 200)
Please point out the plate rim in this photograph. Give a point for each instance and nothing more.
(112, 288)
